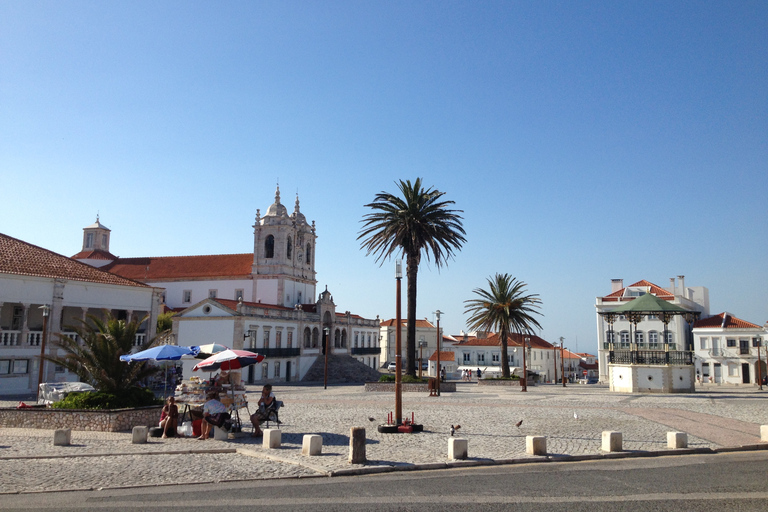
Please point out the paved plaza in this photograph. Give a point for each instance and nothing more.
(572, 419)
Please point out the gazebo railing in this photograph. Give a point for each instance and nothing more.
(650, 357)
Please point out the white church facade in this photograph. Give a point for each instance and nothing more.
(265, 301)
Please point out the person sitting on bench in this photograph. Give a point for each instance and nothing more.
(214, 415)
(267, 405)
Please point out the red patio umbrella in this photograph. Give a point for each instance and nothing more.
(229, 360)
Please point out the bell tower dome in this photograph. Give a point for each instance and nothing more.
(95, 250)
(283, 256)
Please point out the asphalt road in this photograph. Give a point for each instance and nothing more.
(727, 481)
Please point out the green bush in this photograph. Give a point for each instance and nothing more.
(413, 380)
(132, 397)
(387, 378)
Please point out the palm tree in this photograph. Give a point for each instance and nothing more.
(95, 359)
(419, 221)
(504, 308)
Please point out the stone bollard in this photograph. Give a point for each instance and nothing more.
(139, 435)
(535, 445)
(764, 433)
(611, 441)
(272, 438)
(220, 434)
(357, 445)
(312, 444)
(457, 448)
(63, 437)
(677, 440)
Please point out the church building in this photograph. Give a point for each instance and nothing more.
(265, 301)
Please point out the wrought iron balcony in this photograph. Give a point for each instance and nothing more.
(650, 357)
(278, 352)
(360, 351)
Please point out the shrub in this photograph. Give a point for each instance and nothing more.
(411, 379)
(387, 378)
(131, 397)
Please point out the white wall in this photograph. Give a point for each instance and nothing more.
(174, 290)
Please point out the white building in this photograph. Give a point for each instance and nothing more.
(32, 277)
(483, 350)
(727, 349)
(426, 340)
(265, 300)
(649, 333)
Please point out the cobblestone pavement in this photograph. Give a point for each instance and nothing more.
(571, 418)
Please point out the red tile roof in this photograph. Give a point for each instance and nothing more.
(169, 268)
(731, 322)
(444, 356)
(94, 255)
(22, 258)
(404, 322)
(513, 340)
(653, 289)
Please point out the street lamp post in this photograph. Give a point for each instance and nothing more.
(439, 370)
(46, 310)
(327, 349)
(759, 370)
(526, 342)
(562, 358)
(398, 348)
(422, 344)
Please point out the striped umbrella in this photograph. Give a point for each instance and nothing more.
(229, 360)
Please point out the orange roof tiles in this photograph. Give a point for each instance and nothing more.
(731, 322)
(22, 258)
(513, 340)
(653, 289)
(444, 356)
(94, 255)
(169, 268)
(404, 322)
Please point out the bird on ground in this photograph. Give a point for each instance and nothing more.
(371, 418)
(575, 416)
(454, 429)
(519, 423)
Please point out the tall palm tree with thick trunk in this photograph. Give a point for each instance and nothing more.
(94, 355)
(504, 308)
(418, 222)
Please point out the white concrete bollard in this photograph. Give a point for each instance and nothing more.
(677, 440)
(312, 444)
(764, 433)
(139, 435)
(611, 441)
(63, 437)
(535, 445)
(457, 448)
(357, 445)
(272, 438)
(220, 434)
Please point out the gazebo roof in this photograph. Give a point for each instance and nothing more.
(649, 304)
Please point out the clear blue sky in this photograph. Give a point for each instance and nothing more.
(584, 141)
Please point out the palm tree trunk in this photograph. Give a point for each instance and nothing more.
(504, 359)
(412, 269)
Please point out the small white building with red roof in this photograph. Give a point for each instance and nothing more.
(728, 350)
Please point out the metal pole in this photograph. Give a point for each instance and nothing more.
(327, 349)
(562, 358)
(554, 353)
(439, 370)
(398, 349)
(525, 368)
(40, 372)
(759, 370)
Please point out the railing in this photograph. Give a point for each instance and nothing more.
(34, 338)
(359, 351)
(9, 338)
(279, 352)
(650, 357)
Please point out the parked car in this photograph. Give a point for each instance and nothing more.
(392, 366)
(425, 365)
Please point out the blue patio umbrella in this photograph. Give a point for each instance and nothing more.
(161, 353)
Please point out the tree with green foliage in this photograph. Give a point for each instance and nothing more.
(94, 355)
(504, 308)
(418, 222)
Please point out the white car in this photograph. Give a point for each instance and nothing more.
(392, 366)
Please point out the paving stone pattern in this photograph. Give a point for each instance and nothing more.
(714, 417)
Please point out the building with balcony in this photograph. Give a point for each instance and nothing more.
(728, 350)
(33, 279)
